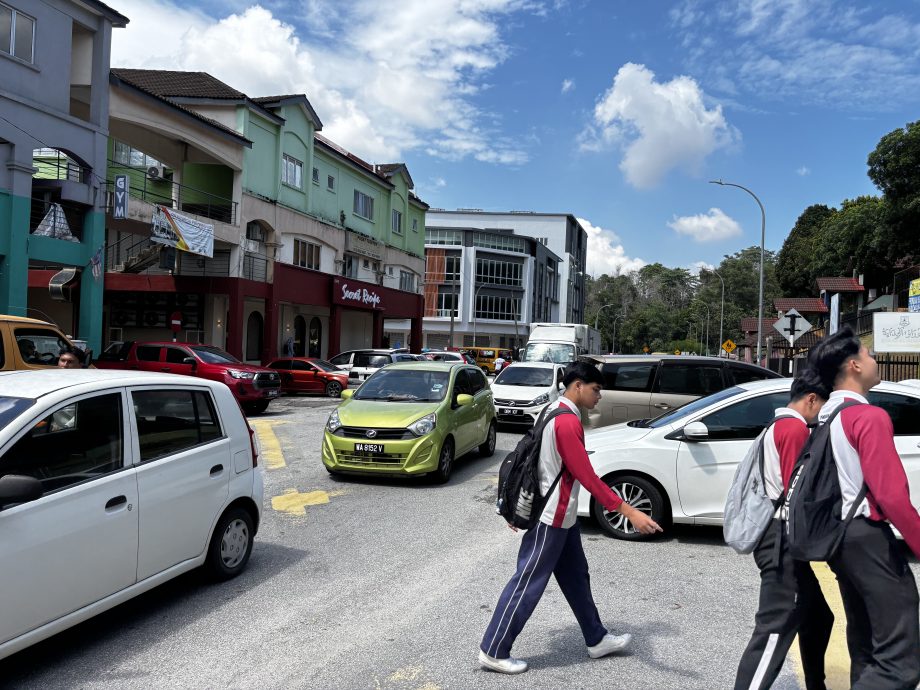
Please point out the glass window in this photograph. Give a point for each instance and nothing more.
(522, 375)
(407, 281)
(301, 366)
(415, 225)
(363, 205)
(629, 377)
(341, 359)
(39, 345)
(440, 236)
(477, 380)
(6, 29)
(280, 365)
(315, 175)
(903, 410)
(690, 379)
(396, 222)
(170, 421)
(148, 353)
(214, 355)
(462, 384)
(330, 183)
(306, 254)
(745, 419)
(176, 355)
(77, 442)
(25, 27)
(292, 171)
(404, 385)
(367, 359)
(745, 374)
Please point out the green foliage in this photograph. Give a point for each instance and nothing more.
(794, 264)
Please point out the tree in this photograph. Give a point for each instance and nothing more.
(794, 263)
(858, 237)
(894, 167)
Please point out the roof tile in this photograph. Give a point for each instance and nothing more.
(803, 305)
(840, 284)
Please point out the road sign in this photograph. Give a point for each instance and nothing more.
(792, 326)
(729, 346)
(676, 352)
(175, 321)
(645, 349)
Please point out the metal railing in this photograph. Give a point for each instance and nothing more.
(59, 166)
(255, 268)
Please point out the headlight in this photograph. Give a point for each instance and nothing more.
(237, 374)
(425, 425)
(540, 399)
(333, 422)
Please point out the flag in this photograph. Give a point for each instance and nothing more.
(96, 263)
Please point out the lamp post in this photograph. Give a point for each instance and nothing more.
(722, 313)
(706, 306)
(615, 318)
(763, 227)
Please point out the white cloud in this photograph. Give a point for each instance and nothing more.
(567, 85)
(706, 227)
(698, 266)
(440, 182)
(606, 254)
(661, 126)
(803, 171)
(375, 100)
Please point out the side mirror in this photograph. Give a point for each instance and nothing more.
(17, 488)
(346, 393)
(88, 359)
(696, 431)
(464, 399)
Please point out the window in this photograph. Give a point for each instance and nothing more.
(407, 281)
(302, 366)
(439, 236)
(77, 442)
(508, 243)
(366, 263)
(148, 353)
(690, 379)
(452, 268)
(903, 410)
(628, 377)
(292, 171)
(370, 360)
(306, 254)
(447, 305)
(342, 359)
(744, 374)
(39, 345)
(315, 175)
(17, 33)
(255, 231)
(477, 380)
(364, 205)
(128, 155)
(745, 419)
(396, 222)
(350, 269)
(415, 225)
(496, 272)
(170, 421)
(176, 355)
(281, 365)
(500, 308)
(330, 183)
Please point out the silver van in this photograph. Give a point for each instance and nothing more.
(362, 363)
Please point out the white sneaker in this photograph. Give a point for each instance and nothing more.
(610, 644)
(509, 665)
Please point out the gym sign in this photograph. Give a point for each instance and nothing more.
(352, 295)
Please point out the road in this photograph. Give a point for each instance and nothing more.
(361, 583)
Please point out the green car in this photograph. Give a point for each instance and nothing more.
(411, 418)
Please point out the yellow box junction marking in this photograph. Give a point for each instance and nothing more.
(295, 503)
(837, 658)
(270, 446)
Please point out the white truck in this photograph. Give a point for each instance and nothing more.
(561, 343)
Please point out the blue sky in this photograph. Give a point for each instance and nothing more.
(618, 112)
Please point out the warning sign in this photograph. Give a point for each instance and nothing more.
(729, 346)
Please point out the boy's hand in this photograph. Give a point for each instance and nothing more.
(642, 522)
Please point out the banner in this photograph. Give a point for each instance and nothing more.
(913, 296)
(835, 313)
(896, 332)
(182, 232)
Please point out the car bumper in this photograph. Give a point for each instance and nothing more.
(246, 392)
(411, 457)
(521, 415)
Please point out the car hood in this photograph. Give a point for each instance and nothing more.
(255, 368)
(518, 392)
(382, 414)
(614, 435)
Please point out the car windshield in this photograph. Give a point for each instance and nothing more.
(405, 385)
(690, 408)
(10, 408)
(323, 365)
(214, 355)
(522, 375)
(556, 353)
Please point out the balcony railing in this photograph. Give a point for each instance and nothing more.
(255, 268)
(58, 166)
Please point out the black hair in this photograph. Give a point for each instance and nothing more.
(831, 353)
(807, 382)
(582, 371)
(75, 351)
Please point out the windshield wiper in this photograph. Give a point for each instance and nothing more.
(640, 423)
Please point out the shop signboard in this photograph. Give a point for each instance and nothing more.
(352, 293)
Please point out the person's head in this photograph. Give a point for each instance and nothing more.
(70, 358)
(583, 384)
(844, 363)
(26, 347)
(808, 394)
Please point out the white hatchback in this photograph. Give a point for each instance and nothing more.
(678, 467)
(522, 390)
(112, 482)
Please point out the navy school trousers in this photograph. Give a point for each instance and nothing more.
(544, 551)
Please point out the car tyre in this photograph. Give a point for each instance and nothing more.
(445, 463)
(641, 494)
(333, 389)
(487, 449)
(231, 545)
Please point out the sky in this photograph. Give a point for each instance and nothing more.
(616, 111)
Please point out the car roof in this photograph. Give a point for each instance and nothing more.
(785, 383)
(534, 365)
(25, 319)
(36, 383)
(170, 342)
(429, 366)
(677, 358)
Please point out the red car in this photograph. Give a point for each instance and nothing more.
(310, 375)
(253, 386)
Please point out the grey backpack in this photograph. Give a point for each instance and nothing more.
(748, 509)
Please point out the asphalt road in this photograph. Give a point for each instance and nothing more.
(363, 583)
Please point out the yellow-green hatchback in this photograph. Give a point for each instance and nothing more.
(411, 418)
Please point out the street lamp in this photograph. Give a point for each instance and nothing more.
(763, 227)
(615, 318)
(597, 315)
(707, 325)
(722, 314)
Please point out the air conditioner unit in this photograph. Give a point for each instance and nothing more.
(155, 172)
(251, 246)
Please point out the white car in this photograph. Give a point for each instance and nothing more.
(678, 467)
(522, 390)
(112, 482)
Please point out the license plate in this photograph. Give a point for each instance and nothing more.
(368, 447)
(509, 410)
(272, 392)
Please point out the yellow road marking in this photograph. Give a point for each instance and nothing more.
(269, 443)
(837, 659)
(407, 673)
(295, 503)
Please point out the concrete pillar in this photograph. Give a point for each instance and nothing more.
(272, 321)
(335, 330)
(91, 290)
(377, 333)
(15, 209)
(235, 321)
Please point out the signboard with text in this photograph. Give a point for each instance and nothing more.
(913, 296)
(120, 203)
(896, 331)
(182, 232)
(353, 294)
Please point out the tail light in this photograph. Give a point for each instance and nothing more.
(252, 444)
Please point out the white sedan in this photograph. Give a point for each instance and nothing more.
(112, 482)
(678, 467)
(522, 390)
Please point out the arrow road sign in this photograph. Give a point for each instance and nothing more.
(792, 326)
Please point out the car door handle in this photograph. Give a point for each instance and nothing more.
(216, 470)
(116, 502)
(662, 406)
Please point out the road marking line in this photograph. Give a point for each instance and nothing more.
(269, 443)
(837, 658)
(295, 503)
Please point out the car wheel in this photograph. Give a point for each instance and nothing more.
(487, 449)
(333, 389)
(445, 462)
(642, 495)
(230, 545)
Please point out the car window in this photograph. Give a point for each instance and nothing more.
(523, 375)
(691, 408)
(39, 345)
(77, 442)
(170, 421)
(176, 355)
(745, 419)
(370, 360)
(690, 379)
(629, 377)
(323, 365)
(477, 380)
(404, 385)
(148, 353)
(214, 355)
(280, 365)
(301, 366)
(116, 352)
(341, 359)
(745, 374)
(904, 411)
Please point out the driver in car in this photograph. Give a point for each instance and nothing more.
(29, 353)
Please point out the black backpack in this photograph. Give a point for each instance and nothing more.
(519, 499)
(813, 501)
